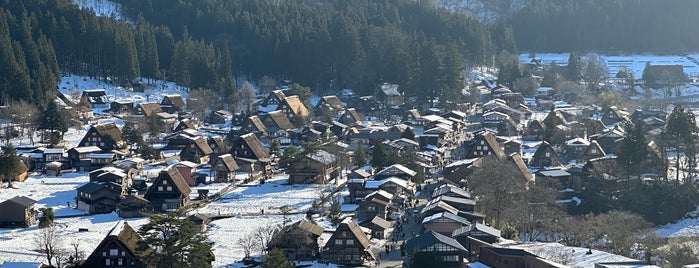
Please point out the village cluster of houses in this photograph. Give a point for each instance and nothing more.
(449, 145)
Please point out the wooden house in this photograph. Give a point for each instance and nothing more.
(172, 103)
(250, 155)
(375, 204)
(169, 191)
(592, 151)
(558, 179)
(294, 109)
(575, 148)
(395, 170)
(223, 168)
(121, 106)
(187, 170)
(17, 212)
(484, 144)
(254, 124)
(183, 124)
(535, 131)
(390, 95)
(444, 223)
(664, 75)
(545, 156)
(508, 127)
(105, 136)
(276, 121)
(200, 221)
(298, 241)
(348, 245)
(94, 99)
(117, 249)
(133, 206)
(197, 151)
(97, 198)
(614, 116)
(440, 250)
(274, 98)
(379, 227)
(112, 175)
(515, 258)
(350, 117)
(328, 107)
(147, 109)
(317, 167)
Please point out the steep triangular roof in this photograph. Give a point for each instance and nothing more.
(176, 178)
(296, 106)
(280, 120)
(228, 162)
(255, 145)
(254, 123)
(122, 234)
(150, 108)
(355, 230)
(430, 238)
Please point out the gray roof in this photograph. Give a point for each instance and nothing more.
(323, 157)
(22, 201)
(430, 238)
(447, 215)
(447, 188)
(554, 173)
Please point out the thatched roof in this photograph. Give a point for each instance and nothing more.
(150, 109)
(296, 106)
(280, 120)
(174, 175)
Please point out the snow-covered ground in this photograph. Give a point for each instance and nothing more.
(636, 63)
(686, 227)
(72, 87)
(572, 256)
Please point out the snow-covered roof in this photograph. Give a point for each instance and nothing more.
(577, 142)
(87, 149)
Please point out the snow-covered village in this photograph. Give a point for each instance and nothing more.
(386, 149)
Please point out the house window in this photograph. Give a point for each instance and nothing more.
(160, 188)
(104, 254)
(169, 188)
(450, 258)
(120, 262)
(349, 242)
(107, 262)
(372, 208)
(113, 252)
(593, 151)
(164, 182)
(548, 154)
(338, 241)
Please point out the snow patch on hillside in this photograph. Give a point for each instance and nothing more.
(103, 8)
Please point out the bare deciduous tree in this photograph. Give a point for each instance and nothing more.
(497, 184)
(248, 243)
(247, 96)
(267, 84)
(49, 242)
(264, 235)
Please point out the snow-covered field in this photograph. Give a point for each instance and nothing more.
(636, 63)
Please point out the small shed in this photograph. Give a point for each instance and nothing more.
(53, 168)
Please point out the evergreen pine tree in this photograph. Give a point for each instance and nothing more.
(276, 259)
(178, 244)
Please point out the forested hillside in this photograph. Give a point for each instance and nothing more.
(355, 44)
(201, 44)
(634, 26)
